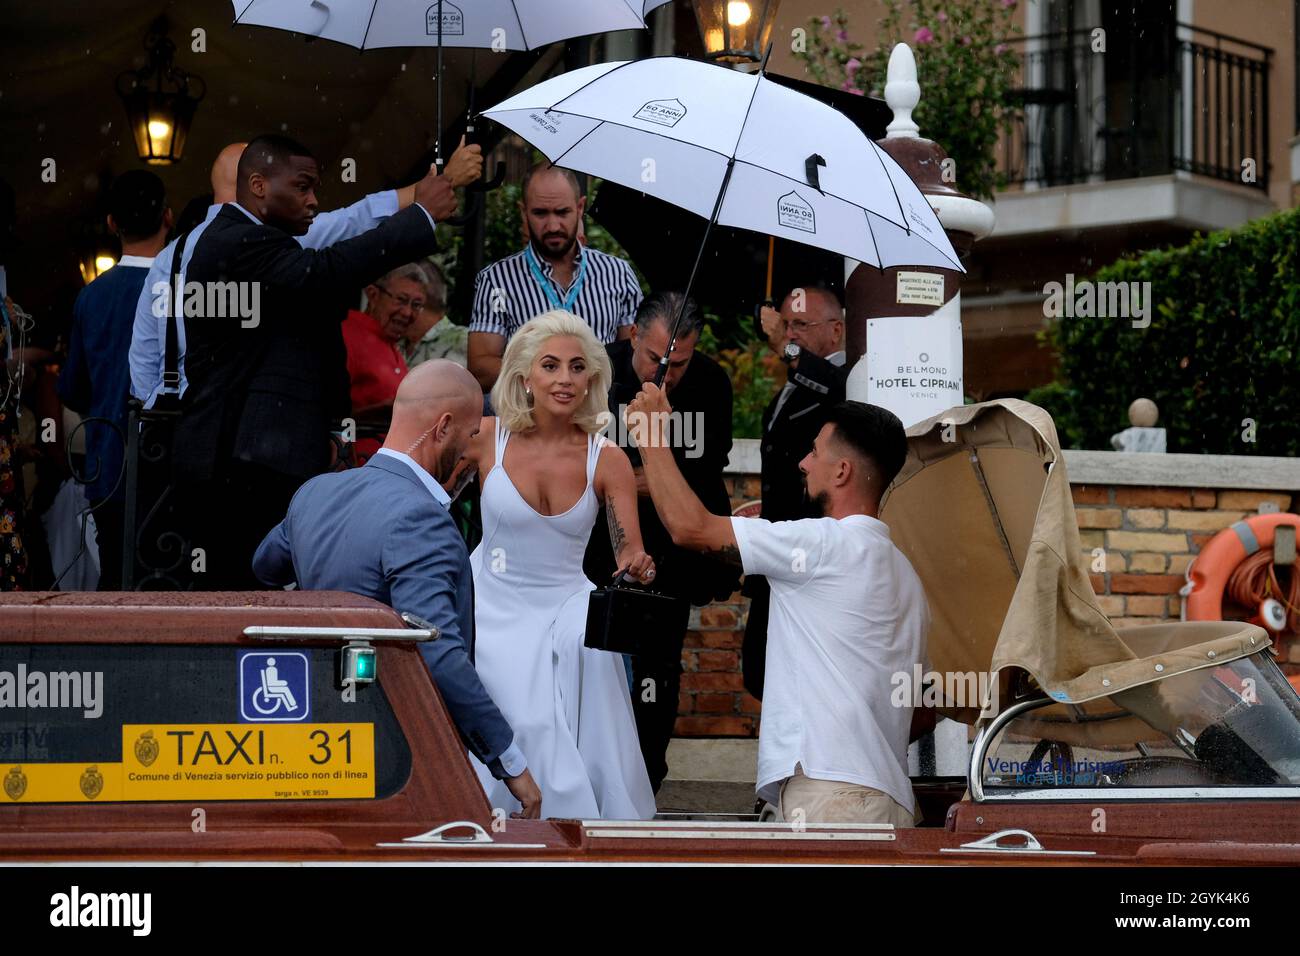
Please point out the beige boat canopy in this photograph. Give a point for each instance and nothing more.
(982, 508)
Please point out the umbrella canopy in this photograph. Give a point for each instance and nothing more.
(475, 24)
(982, 508)
(731, 276)
(737, 149)
(731, 279)
(482, 24)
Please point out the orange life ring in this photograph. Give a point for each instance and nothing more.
(1208, 574)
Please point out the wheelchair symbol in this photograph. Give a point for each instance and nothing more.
(274, 692)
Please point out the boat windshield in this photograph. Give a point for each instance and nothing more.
(1232, 725)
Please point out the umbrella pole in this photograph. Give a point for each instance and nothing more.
(717, 207)
(681, 311)
(437, 141)
(771, 254)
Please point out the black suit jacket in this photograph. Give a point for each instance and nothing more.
(788, 436)
(268, 393)
(704, 388)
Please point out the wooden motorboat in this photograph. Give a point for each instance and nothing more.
(241, 727)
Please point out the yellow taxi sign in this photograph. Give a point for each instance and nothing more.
(248, 761)
(182, 762)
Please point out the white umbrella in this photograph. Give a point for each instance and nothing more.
(477, 24)
(737, 149)
(485, 24)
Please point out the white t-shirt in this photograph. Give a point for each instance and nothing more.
(847, 613)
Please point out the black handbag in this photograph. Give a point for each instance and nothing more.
(631, 620)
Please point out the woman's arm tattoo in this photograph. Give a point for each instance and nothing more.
(617, 536)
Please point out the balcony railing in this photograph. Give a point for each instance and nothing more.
(1192, 100)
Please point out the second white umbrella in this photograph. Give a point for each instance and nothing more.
(736, 149)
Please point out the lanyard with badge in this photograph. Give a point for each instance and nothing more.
(552, 299)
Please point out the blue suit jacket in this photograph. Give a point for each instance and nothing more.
(94, 378)
(377, 531)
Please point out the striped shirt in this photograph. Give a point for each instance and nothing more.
(506, 294)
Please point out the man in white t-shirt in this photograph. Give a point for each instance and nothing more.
(847, 613)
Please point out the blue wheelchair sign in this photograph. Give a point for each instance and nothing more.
(273, 686)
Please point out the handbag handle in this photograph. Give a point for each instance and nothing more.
(625, 579)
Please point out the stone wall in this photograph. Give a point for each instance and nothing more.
(1148, 536)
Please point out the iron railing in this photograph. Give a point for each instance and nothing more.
(157, 552)
(1146, 105)
(156, 546)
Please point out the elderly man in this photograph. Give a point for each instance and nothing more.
(433, 334)
(383, 531)
(376, 365)
(554, 271)
(808, 335)
(701, 442)
(847, 613)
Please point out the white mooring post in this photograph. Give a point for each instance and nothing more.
(904, 325)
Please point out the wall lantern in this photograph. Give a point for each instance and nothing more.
(160, 100)
(95, 262)
(735, 31)
(97, 249)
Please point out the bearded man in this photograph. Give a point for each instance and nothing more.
(553, 271)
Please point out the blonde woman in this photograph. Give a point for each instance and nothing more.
(546, 472)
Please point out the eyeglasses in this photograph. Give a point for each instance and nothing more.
(415, 305)
(803, 325)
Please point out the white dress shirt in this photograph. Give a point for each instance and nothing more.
(847, 613)
(435, 489)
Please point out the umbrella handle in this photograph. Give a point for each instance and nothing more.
(473, 200)
(661, 372)
(486, 186)
(498, 177)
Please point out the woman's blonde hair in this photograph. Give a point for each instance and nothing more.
(509, 399)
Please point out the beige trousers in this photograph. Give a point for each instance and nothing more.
(835, 801)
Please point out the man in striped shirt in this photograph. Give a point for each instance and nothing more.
(554, 271)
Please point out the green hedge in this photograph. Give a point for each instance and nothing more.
(1222, 347)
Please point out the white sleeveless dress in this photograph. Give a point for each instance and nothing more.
(569, 705)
